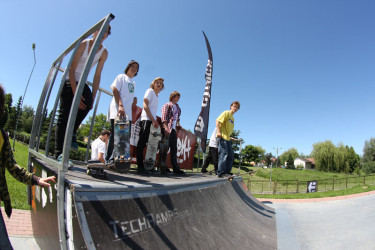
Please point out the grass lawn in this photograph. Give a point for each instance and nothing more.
(18, 191)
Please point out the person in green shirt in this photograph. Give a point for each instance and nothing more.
(7, 161)
(224, 127)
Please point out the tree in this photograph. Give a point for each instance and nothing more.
(100, 123)
(323, 153)
(253, 153)
(284, 157)
(268, 158)
(7, 111)
(290, 162)
(235, 144)
(27, 118)
(353, 160)
(13, 115)
(369, 150)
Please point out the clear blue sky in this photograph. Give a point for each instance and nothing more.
(303, 70)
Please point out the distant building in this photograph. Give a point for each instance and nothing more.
(305, 163)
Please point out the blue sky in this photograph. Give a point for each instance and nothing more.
(303, 71)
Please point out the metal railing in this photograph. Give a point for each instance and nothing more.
(296, 186)
(40, 113)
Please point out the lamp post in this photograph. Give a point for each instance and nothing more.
(19, 111)
(277, 163)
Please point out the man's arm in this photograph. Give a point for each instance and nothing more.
(118, 100)
(97, 76)
(148, 112)
(72, 72)
(218, 129)
(101, 157)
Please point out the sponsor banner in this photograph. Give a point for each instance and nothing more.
(201, 125)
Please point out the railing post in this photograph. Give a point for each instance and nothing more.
(274, 187)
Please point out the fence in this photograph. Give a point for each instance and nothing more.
(296, 186)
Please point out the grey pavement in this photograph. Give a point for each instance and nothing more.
(336, 224)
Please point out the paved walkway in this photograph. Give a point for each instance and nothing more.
(20, 230)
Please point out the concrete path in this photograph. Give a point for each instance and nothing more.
(345, 222)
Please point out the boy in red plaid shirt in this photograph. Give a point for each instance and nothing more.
(170, 117)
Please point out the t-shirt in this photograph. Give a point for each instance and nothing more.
(227, 124)
(82, 60)
(97, 146)
(153, 102)
(213, 139)
(126, 86)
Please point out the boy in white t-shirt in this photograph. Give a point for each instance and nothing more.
(99, 146)
(123, 88)
(148, 118)
(212, 153)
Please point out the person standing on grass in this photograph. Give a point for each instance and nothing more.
(7, 161)
(224, 127)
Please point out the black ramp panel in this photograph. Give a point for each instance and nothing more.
(221, 215)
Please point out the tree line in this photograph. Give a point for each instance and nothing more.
(327, 156)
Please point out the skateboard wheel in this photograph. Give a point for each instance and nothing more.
(88, 171)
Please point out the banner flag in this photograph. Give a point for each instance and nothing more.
(201, 125)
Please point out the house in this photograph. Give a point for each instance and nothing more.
(305, 163)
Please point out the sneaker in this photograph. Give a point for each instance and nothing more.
(220, 175)
(74, 145)
(180, 172)
(59, 159)
(168, 170)
(204, 171)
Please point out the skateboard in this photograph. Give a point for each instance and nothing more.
(163, 151)
(152, 148)
(122, 146)
(97, 169)
(211, 172)
(230, 178)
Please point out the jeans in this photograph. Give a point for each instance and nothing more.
(111, 141)
(143, 139)
(4, 239)
(211, 157)
(225, 157)
(66, 99)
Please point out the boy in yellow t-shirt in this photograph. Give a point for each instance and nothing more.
(224, 126)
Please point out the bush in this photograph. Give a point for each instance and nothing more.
(369, 167)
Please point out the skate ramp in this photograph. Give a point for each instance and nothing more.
(208, 213)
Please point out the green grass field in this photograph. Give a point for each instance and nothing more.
(18, 192)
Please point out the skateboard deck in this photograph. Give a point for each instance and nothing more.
(152, 147)
(163, 151)
(122, 145)
(230, 178)
(211, 172)
(97, 169)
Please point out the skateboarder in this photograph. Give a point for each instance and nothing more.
(212, 153)
(148, 118)
(224, 127)
(69, 89)
(170, 117)
(123, 88)
(7, 161)
(98, 147)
